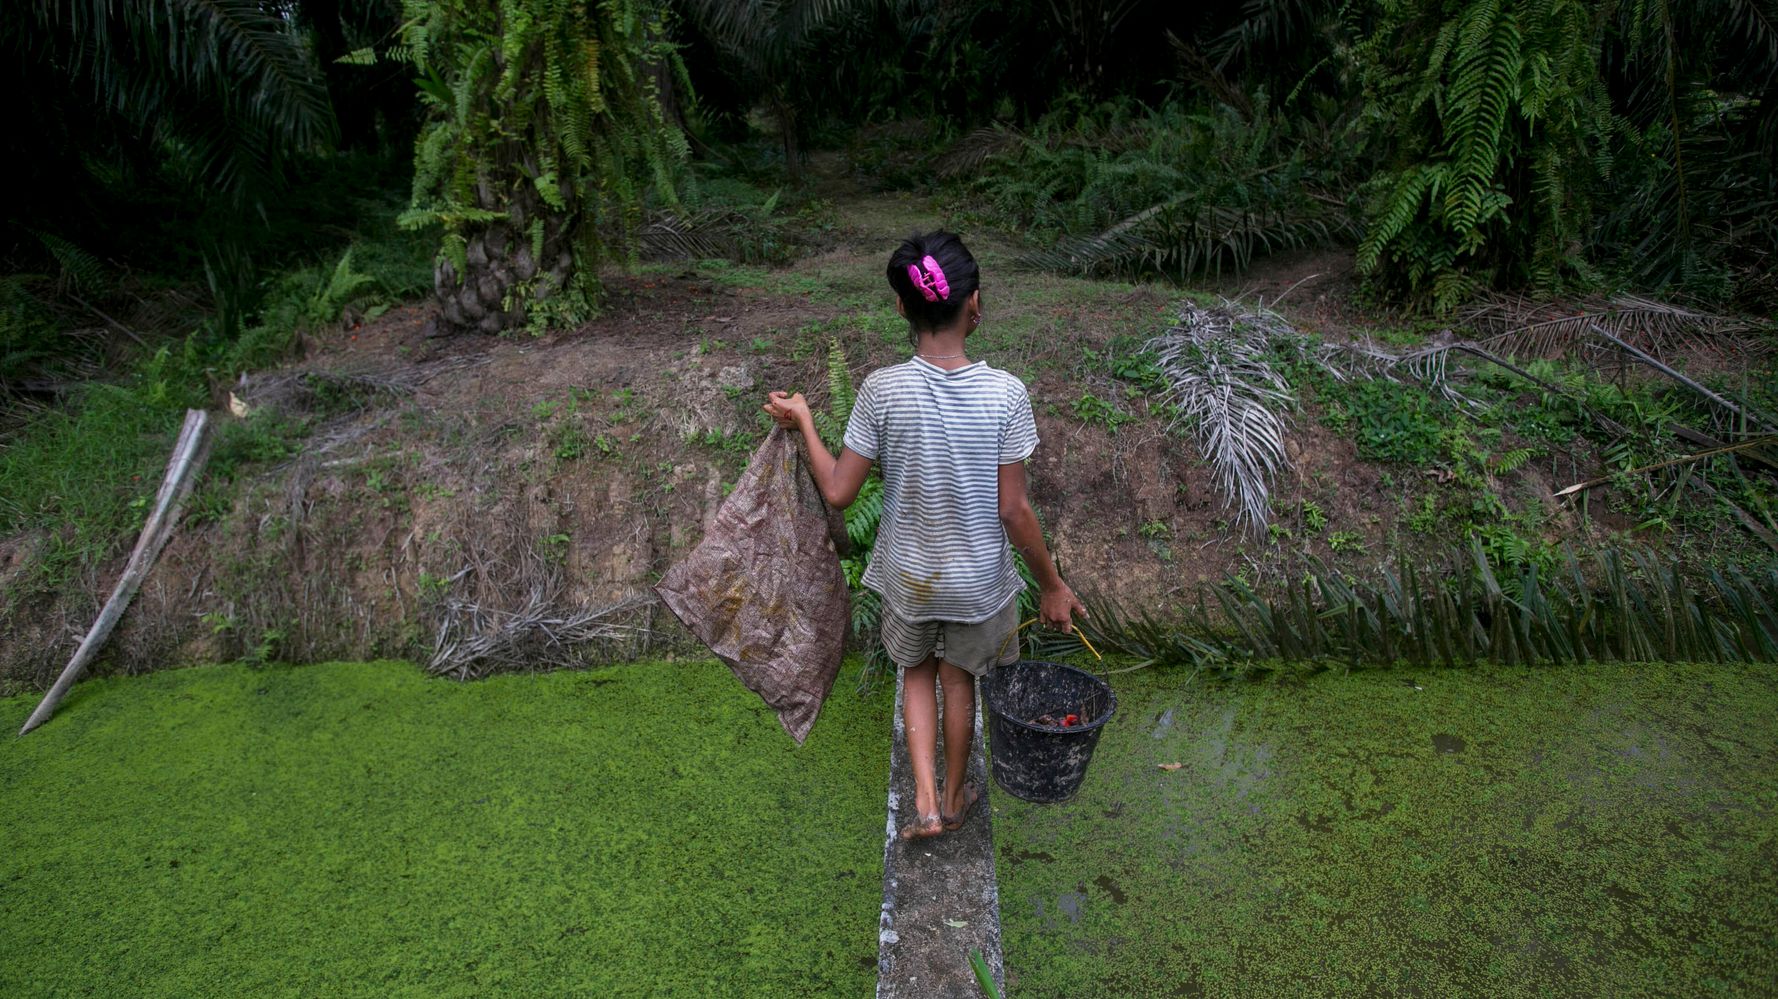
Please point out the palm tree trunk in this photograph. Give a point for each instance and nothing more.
(531, 243)
(785, 112)
(511, 264)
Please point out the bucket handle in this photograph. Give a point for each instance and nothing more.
(1031, 621)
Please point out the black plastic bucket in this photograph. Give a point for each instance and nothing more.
(1036, 762)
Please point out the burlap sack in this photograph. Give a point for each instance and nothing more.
(764, 588)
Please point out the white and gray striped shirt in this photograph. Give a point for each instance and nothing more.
(940, 438)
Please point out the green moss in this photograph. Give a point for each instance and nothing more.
(1577, 831)
(361, 829)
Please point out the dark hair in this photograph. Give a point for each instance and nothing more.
(961, 276)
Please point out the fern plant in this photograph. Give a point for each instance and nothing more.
(1495, 118)
(866, 511)
(333, 293)
(545, 130)
(831, 422)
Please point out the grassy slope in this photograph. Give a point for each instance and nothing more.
(1592, 830)
(358, 828)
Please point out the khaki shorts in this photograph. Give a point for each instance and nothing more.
(977, 647)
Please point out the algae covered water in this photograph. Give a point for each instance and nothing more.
(649, 830)
(360, 829)
(1585, 830)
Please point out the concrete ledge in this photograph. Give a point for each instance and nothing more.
(940, 899)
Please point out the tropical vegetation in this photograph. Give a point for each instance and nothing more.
(1561, 187)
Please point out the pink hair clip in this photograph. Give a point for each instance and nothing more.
(932, 283)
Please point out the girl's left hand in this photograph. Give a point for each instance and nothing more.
(788, 410)
(1059, 607)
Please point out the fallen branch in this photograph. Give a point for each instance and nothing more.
(472, 640)
(188, 457)
(120, 327)
(1702, 439)
(1681, 460)
(1745, 411)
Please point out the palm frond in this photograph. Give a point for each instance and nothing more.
(1177, 238)
(229, 81)
(967, 154)
(1217, 364)
(667, 235)
(750, 236)
(1624, 606)
(1429, 366)
(1527, 327)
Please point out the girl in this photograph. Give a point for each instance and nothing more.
(951, 436)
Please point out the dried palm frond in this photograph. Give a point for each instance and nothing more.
(1217, 363)
(1530, 328)
(1742, 410)
(1428, 366)
(473, 640)
(313, 391)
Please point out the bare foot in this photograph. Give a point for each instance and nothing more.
(923, 827)
(954, 820)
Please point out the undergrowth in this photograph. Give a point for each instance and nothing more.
(1172, 190)
(81, 475)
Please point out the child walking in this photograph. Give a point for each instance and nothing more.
(951, 436)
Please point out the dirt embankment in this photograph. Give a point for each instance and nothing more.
(488, 503)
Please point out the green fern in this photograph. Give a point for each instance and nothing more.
(332, 294)
(1494, 134)
(1512, 461)
(839, 383)
(80, 269)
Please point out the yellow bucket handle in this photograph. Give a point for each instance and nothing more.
(1074, 627)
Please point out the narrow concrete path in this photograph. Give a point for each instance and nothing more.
(940, 899)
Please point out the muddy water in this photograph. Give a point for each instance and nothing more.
(1576, 831)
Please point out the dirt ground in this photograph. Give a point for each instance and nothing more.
(497, 503)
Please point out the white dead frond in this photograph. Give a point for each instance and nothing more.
(1217, 362)
(1429, 366)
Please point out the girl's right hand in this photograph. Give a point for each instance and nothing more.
(790, 411)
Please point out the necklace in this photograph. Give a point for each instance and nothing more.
(939, 357)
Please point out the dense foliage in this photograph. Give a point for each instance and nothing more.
(1462, 144)
(545, 129)
(1492, 117)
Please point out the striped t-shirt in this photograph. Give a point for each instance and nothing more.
(940, 438)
